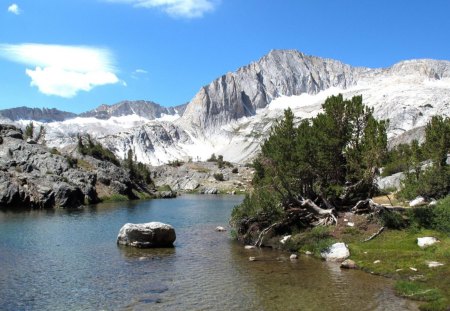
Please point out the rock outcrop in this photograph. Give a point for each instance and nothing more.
(281, 72)
(34, 176)
(147, 235)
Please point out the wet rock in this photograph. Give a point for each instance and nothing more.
(147, 235)
(252, 258)
(348, 264)
(220, 229)
(249, 246)
(293, 257)
(209, 191)
(336, 252)
(426, 241)
(285, 239)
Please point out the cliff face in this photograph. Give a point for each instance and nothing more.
(281, 72)
(34, 176)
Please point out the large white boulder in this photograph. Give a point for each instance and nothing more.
(419, 201)
(336, 252)
(426, 241)
(152, 234)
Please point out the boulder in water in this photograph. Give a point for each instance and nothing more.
(147, 235)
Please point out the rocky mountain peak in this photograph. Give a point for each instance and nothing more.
(281, 72)
(430, 68)
(36, 114)
(142, 108)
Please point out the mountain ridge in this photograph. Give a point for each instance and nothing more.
(232, 115)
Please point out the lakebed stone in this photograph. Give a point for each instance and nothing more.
(147, 235)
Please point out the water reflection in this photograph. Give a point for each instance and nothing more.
(69, 260)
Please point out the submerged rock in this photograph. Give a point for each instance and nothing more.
(220, 229)
(147, 235)
(336, 252)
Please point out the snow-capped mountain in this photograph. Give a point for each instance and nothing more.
(233, 114)
(145, 109)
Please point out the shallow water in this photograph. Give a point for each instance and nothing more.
(69, 260)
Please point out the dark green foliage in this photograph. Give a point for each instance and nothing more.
(260, 202)
(54, 150)
(315, 240)
(434, 181)
(213, 158)
(441, 215)
(72, 162)
(96, 150)
(218, 176)
(29, 130)
(234, 170)
(138, 170)
(404, 158)
(320, 157)
(175, 163)
(422, 217)
(393, 220)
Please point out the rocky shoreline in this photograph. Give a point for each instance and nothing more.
(33, 176)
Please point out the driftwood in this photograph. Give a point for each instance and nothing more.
(373, 236)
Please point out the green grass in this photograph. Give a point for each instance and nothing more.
(314, 240)
(114, 198)
(164, 188)
(397, 252)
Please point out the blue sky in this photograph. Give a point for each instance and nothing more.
(75, 55)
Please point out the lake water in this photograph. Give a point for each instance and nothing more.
(69, 260)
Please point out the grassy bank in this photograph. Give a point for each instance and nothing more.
(394, 253)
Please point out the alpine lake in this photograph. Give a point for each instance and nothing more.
(69, 260)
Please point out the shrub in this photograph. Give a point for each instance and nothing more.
(55, 151)
(175, 163)
(72, 162)
(392, 220)
(235, 170)
(213, 158)
(218, 176)
(441, 219)
(423, 217)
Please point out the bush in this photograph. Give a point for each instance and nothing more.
(314, 240)
(213, 158)
(175, 163)
(392, 220)
(423, 217)
(218, 176)
(441, 215)
(235, 170)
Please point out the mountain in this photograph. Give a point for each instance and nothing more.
(233, 114)
(280, 73)
(145, 109)
(36, 114)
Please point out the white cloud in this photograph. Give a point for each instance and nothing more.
(176, 8)
(141, 71)
(63, 70)
(14, 9)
